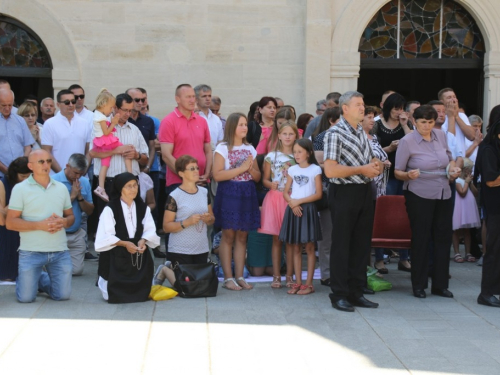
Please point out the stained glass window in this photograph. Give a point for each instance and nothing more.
(422, 29)
(18, 48)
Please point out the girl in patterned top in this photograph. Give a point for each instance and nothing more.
(236, 206)
(276, 166)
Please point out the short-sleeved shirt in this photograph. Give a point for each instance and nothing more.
(192, 240)
(349, 147)
(128, 134)
(188, 136)
(304, 184)
(155, 167)
(235, 158)
(65, 137)
(87, 116)
(86, 195)
(96, 121)
(146, 125)
(14, 136)
(215, 128)
(459, 135)
(280, 163)
(431, 157)
(37, 203)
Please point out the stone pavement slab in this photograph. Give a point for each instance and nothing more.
(262, 331)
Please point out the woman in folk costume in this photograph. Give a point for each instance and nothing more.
(125, 228)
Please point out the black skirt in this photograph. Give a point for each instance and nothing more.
(303, 229)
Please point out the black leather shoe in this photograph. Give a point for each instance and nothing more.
(341, 304)
(368, 291)
(362, 302)
(402, 267)
(419, 293)
(491, 301)
(442, 292)
(325, 282)
(382, 271)
(158, 254)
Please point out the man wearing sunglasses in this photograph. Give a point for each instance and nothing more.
(65, 134)
(40, 210)
(15, 137)
(80, 109)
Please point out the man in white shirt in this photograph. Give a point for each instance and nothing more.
(450, 131)
(454, 117)
(65, 134)
(80, 109)
(203, 100)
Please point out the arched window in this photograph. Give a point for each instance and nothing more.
(21, 48)
(422, 29)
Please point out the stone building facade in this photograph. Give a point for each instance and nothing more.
(298, 50)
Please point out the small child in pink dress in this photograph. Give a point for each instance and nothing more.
(466, 213)
(104, 139)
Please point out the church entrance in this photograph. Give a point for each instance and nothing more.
(418, 47)
(24, 61)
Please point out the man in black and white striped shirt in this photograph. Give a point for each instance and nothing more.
(350, 165)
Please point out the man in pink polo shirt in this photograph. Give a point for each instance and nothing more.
(183, 132)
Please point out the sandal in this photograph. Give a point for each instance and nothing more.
(246, 286)
(232, 280)
(294, 289)
(276, 284)
(289, 281)
(306, 289)
(458, 258)
(101, 193)
(470, 258)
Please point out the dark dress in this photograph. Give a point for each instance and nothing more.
(126, 282)
(385, 137)
(9, 243)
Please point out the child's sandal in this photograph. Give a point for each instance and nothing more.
(243, 283)
(295, 288)
(276, 284)
(306, 289)
(289, 281)
(470, 258)
(233, 287)
(458, 258)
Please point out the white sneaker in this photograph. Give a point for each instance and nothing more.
(480, 261)
(156, 280)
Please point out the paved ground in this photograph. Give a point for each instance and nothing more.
(263, 331)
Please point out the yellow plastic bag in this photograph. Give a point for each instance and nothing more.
(161, 293)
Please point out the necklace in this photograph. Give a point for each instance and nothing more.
(138, 260)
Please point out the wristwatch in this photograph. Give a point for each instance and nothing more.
(79, 200)
(139, 157)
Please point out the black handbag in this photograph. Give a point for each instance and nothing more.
(196, 280)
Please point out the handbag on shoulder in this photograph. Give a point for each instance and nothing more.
(196, 280)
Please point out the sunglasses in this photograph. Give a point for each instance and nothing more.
(80, 97)
(137, 100)
(42, 162)
(30, 115)
(67, 102)
(192, 169)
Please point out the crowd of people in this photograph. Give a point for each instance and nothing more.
(269, 187)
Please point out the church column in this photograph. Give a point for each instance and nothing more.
(344, 71)
(491, 83)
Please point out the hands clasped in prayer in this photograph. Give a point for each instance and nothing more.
(53, 224)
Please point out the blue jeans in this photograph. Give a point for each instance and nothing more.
(56, 282)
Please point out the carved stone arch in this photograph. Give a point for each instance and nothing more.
(38, 18)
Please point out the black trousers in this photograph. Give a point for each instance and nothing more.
(429, 219)
(351, 207)
(490, 281)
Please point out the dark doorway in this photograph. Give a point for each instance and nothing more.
(23, 86)
(424, 84)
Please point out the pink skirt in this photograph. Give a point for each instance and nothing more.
(272, 213)
(466, 214)
(107, 142)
